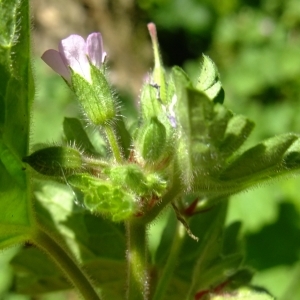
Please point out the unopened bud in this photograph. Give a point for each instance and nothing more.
(152, 140)
(55, 161)
(96, 97)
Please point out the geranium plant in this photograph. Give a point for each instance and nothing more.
(90, 212)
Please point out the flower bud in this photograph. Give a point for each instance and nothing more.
(151, 140)
(80, 63)
(96, 98)
(55, 161)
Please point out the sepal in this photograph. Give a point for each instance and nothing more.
(96, 98)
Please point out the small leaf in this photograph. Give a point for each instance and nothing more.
(125, 139)
(98, 243)
(237, 132)
(75, 134)
(209, 81)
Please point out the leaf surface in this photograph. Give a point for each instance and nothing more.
(16, 95)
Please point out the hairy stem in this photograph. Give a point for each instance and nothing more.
(66, 263)
(169, 268)
(113, 142)
(137, 261)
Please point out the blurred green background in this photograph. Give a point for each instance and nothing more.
(256, 46)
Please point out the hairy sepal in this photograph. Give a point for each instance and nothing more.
(96, 98)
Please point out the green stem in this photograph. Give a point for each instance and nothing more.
(66, 263)
(113, 142)
(137, 261)
(172, 260)
(94, 162)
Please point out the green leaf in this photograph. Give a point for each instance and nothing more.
(209, 135)
(237, 131)
(38, 273)
(75, 134)
(204, 264)
(125, 140)
(99, 244)
(209, 81)
(273, 157)
(16, 95)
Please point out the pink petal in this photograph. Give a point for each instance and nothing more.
(94, 49)
(54, 60)
(72, 50)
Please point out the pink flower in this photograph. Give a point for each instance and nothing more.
(75, 53)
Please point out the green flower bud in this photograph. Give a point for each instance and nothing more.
(96, 97)
(151, 140)
(81, 63)
(55, 161)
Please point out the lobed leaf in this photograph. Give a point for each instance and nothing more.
(209, 81)
(98, 243)
(205, 264)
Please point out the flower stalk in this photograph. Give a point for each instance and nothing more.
(113, 142)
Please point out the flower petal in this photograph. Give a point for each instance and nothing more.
(72, 50)
(94, 49)
(54, 60)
